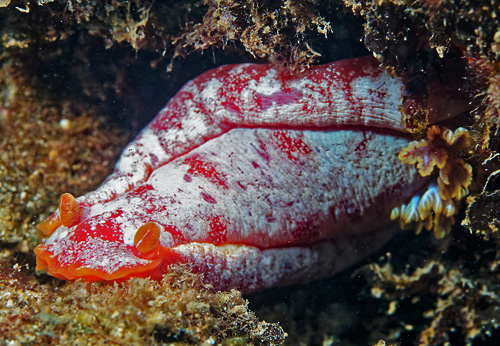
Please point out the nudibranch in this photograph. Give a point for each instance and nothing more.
(252, 176)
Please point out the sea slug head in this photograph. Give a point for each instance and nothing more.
(96, 248)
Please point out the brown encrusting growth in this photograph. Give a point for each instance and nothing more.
(47, 146)
(265, 31)
(458, 301)
(415, 37)
(132, 56)
(71, 69)
(278, 31)
(179, 310)
(483, 213)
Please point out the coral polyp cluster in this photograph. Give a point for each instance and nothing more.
(438, 153)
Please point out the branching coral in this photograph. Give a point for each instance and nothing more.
(435, 208)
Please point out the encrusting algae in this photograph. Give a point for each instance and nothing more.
(178, 310)
(46, 147)
(482, 214)
(409, 36)
(95, 59)
(455, 300)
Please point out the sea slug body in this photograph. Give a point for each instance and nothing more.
(253, 176)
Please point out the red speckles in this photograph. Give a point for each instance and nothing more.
(349, 70)
(234, 85)
(306, 230)
(151, 206)
(377, 94)
(169, 123)
(105, 229)
(208, 198)
(205, 169)
(230, 104)
(361, 148)
(279, 98)
(261, 150)
(143, 190)
(218, 229)
(176, 234)
(192, 190)
(171, 118)
(293, 147)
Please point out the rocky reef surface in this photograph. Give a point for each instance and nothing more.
(80, 79)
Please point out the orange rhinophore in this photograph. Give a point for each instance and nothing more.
(69, 210)
(147, 237)
(47, 227)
